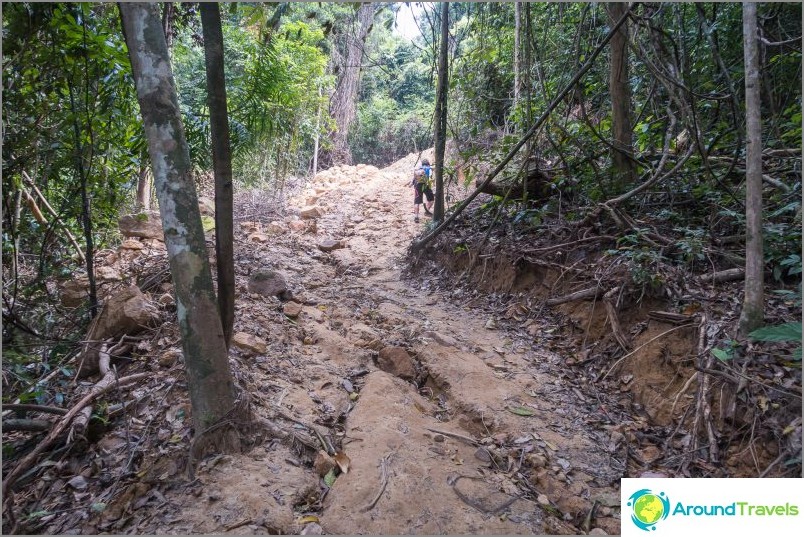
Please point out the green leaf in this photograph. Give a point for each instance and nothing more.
(208, 223)
(782, 332)
(521, 411)
(722, 355)
(329, 479)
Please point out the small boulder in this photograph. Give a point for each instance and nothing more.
(328, 245)
(108, 274)
(308, 213)
(126, 312)
(258, 237)
(147, 225)
(397, 361)
(131, 244)
(74, 292)
(292, 309)
(276, 227)
(312, 529)
(249, 343)
(269, 283)
(169, 357)
(297, 225)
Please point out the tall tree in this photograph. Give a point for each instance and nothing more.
(208, 376)
(752, 314)
(620, 91)
(221, 162)
(517, 52)
(342, 105)
(441, 115)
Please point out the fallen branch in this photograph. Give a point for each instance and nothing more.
(728, 275)
(464, 439)
(651, 340)
(609, 301)
(34, 426)
(703, 410)
(34, 408)
(418, 245)
(56, 216)
(583, 294)
(383, 481)
(670, 317)
(99, 389)
(474, 503)
(568, 244)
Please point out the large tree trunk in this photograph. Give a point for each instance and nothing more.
(342, 106)
(620, 90)
(752, 314)
(208, 376)
(222, 163)
(441, 115)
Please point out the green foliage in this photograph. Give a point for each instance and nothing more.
(272, 94)
(780, 333)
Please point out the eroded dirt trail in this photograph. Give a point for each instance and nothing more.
(460, 422)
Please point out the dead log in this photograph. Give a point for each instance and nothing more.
(670, 317)
(34, 408)
(537, 185)
(583, 294)
(35, 426)
(728, 275)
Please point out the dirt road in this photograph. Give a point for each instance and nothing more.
(453, 420)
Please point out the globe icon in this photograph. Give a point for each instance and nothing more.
(648, 509)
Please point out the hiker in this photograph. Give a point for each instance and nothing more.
(421, 187)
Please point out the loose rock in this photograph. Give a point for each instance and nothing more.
(397, 361)
(249, 342)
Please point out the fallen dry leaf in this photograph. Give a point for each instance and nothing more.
(343, 461)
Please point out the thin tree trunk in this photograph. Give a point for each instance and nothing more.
(441, 115)
(144, 188)
(209, 378)
(222, 163)
(342, 106)
(620, 90)
(421, 243)
(86, 214)
(752, 314)
(317, 133)
(517, 52)
(167, 22)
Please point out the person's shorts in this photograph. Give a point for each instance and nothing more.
(421, 188)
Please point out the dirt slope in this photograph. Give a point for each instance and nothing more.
(486, 438)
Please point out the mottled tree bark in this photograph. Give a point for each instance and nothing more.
(441, 115)
(620, 91)
(752, 314)
(222, 163)
(208, 376)
(342, 105)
